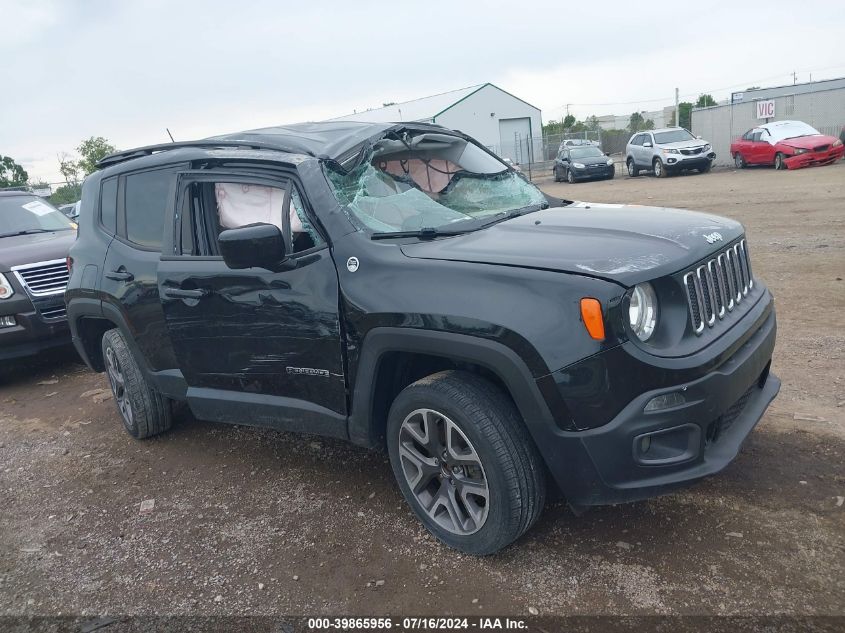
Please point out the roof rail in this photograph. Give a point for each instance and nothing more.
(120, 157)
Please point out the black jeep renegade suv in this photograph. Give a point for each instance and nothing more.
(399, 286)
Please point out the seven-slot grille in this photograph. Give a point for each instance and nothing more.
(43, 278)
(718, 285)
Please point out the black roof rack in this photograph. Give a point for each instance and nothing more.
(120, 157)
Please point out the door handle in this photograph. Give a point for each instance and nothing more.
(121, 274)
(179, 293)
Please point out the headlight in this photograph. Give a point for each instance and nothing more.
(642, 311)
(837, 143)
(6, 290)
(670, 151)
(609, 161)
(706, 148)
(578, 165)
(800, 150)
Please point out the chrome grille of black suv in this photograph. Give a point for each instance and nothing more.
(43, 278)
(715, 287)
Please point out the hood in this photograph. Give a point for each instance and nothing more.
(625, 244)
(684, 144)
(809, 142)
(37, 247)
(592, 160)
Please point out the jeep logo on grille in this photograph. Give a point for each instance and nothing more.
(714, 237)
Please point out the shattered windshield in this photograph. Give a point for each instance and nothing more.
(411, 182)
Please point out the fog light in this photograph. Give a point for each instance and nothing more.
(645, 444)
(666, 401)
(7, 321)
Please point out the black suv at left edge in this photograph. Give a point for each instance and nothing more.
(401, 287)
(34, 241)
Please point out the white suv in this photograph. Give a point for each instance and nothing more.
(667, 151)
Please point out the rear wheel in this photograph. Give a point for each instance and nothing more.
(633, 172)
(659, 169)
(779, 164)
(144, 411)
(739, 161)
(464, 461)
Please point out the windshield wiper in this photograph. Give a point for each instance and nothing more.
(515, 213)
(426, 233)
(26, 232)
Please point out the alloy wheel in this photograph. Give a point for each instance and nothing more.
(658, 168)
(118, 385)
(443, 471)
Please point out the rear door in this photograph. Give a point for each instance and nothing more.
(254, 346)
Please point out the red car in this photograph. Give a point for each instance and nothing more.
(786, 145)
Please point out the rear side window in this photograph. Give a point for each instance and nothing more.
(146, 198)
(108, 205)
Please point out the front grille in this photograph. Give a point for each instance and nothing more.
(43, 278)
(53, 314)
(821, 148)
(691, 152)
(715, 287)
(723, 422)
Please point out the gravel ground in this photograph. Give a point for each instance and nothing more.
(250, 521)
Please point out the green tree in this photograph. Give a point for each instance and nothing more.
(705, 101)
(568, 121)
(592, 123)
(92, 150)
(69, 168)
(66, 194)
(635, 123)
(685, 108)
(11, 174)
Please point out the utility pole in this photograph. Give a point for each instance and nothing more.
(794, 78)
(677, 110)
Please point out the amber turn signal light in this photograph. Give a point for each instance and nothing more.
(593, 320)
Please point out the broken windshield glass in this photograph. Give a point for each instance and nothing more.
(432, 181)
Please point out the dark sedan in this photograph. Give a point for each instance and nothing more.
(583, 163)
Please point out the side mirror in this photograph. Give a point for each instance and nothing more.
(647, 144)
(254, 245)
(698, 137)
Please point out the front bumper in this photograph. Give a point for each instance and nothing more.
(588, 173)
(610, 463)
(37, 327)
(695, 161)
(811, 159)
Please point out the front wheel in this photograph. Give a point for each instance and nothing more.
(570, 177)
(465, 462)
(779, 164)
(144, 411)
(659, 169)
(705, 168)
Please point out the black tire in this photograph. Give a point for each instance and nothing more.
(633, 171)
(779, 161)
(143, 410)
(554, 172)
(659, 168)
(570, 177)
(705, 169)
(510, 463)
(739, 161)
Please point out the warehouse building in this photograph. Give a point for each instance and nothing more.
(819, 103)
(497, 119)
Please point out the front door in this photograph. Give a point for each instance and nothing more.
(254, 346)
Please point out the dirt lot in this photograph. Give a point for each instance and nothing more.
(252, 521)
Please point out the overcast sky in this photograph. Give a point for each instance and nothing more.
(126, 70)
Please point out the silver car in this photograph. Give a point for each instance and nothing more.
(667, 151)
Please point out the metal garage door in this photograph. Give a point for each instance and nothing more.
(514, 135)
